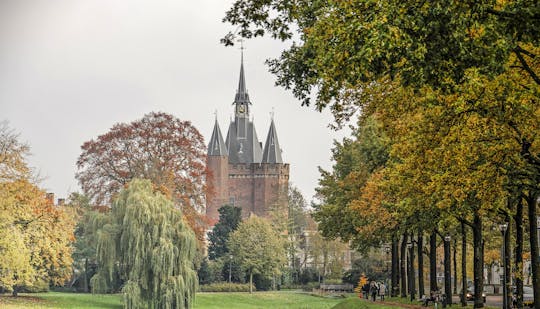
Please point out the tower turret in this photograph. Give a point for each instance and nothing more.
(272, 151)
(217, 162)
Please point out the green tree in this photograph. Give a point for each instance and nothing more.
(149, 242)
(258, 248)
(84, 253)
(229, 219)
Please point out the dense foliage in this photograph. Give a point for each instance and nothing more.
(159, 147)
(35, 235)
(258, 248)
(229, 218)
(147, 242)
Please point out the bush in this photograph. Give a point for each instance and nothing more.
(38, 287)
(225, 287)
(310, 286)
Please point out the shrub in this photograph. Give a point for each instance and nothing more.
(37, 287)
(225, 287)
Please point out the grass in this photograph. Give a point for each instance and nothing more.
(61, 300)
(356, 303)
(273, 300)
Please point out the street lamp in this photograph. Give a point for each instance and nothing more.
(447, 279)
(504, 227)
(387, 251)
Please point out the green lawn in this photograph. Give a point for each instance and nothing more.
(274, 300)
(61, 300)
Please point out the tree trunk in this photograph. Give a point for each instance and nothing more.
(403, 255)
(463, 264)
(518, 258)
(507, 262)
(433, 262)
(395, 267)
(447, 272)
(15, 292)
(412, 280)
(478, 258)
(533, 226)
(251, 282)
(454, 260)
(85, 278)
(421, 288)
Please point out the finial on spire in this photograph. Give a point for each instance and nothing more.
(272, 114)
(215, 114)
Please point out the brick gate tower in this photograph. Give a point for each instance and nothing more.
(243, 173)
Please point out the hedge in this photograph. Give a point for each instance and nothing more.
(225, 287)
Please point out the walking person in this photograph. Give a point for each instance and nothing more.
(382, 290)
(373, 290)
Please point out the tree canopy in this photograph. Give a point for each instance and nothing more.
(159, 147)
(340, 47)
(258, 248)
(229, 219)
(35, 235)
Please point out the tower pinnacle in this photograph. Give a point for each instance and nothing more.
(241, 100)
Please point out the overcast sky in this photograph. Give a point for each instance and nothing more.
(70, 69)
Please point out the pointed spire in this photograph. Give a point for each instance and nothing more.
(272, 151)
(242, 96)
(217, 147)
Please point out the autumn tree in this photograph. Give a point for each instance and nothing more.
(340, 46)
(159, 147)
(35, 235)
(258, 248)
(13, 154)
(147, 241)
(356, 160)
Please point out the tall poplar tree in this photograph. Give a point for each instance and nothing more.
(148, 243)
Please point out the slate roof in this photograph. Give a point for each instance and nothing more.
(243, 149)
(272, 151)
(216, 146)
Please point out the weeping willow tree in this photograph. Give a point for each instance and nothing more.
(146, 242)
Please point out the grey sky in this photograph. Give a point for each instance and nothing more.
(70, 69)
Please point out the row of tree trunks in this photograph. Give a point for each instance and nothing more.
(405, 272)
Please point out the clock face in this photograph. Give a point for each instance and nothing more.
(241, 109)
